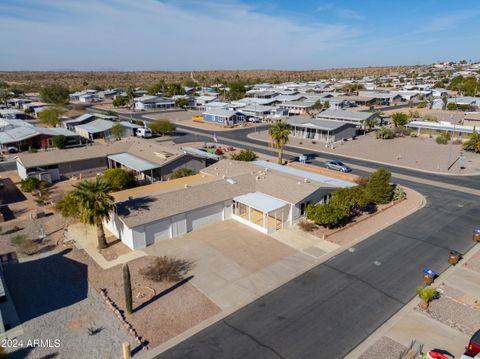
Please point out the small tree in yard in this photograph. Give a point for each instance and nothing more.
(117, 131)
(379, 189)
(473, 143)
(353, 200)
(127, 287)
(31, 184)
(182, 172)
(50, 116)
(54, 93)
(385, 134)
(120, 101)
(96, 204)
(118, 178)
(427, 294)
(68, 206)
(60, 141)
(162, 126)
(399, 119)
(244, 155)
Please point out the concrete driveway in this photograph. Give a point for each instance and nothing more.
(234, 264)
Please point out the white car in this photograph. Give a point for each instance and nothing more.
(144, 132)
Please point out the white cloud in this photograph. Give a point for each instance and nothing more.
(151, 34)
(449, 21)
(340, 11)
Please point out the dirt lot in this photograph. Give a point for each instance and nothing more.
(420, 153)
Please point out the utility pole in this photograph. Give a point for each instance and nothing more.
(451, 143)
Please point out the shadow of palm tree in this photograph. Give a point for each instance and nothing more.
(134, 205)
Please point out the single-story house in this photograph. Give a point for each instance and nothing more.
(465, 101)
(360, 100)
(327, 131)
(298, 107)
(149, 161)
(358, 118)
(253, 193)
(150, 102)
(437, 128)
(13, 114)
(382, 98)
(201, 101)
(223, 117)
(437, 104)
(103, 129)
(25, 136)
(263, 112)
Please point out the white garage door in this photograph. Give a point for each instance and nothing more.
(205, 216)
(157, 231)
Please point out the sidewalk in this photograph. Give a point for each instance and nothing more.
(448, 325)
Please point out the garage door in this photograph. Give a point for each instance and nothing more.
(157, 231)
(205, 216)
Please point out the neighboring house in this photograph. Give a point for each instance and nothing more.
(12, 114)
(382, 98)
(439, 92)
(264, 112)
(76, 96)
(437, 128)
(24, 136)
(223, 117)
(149, 161)
(357, 118)
(465, 101)
(259, 194)
(152, 102)
(201, 101)
(97, 129)
(298, 107)
(327, 131)
(360, 100)
(472, 119)
(437, 104)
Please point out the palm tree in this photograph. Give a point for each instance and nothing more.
(279, 133)
(96, 203)
(130, 96)
(427, 294)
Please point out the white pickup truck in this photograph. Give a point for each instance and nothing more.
(144, 132)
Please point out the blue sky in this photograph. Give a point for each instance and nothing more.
(234, 34)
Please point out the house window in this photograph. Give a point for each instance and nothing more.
(49, 141)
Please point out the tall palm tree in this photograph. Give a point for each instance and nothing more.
(95, 203)
(279, 133)
(130, 96)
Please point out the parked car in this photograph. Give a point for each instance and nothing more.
(12, 150)
(337, 166)
(144, 132)
(473, 347)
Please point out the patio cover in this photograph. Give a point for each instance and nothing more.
(261, 202)
(133, 162)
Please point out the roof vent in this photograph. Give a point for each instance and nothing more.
(231, 181)
(299, 182)
(186, 185)
(223, 177)
(305, 180)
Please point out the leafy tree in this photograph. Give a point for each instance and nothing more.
(117, 130)
(399, 119)
(54, 93)
(31, 184)
(473, 143)
(96, 204)
(162, 126)
(119, 101)
(237, 90)
(470, 86)
(156, 88)
(182, 172)
(327, 214)
(118, 179)
(60, 141)
(371, 123)
(326, 105)
(5, 94)
(244, 155)
(279, 133)
(379, 189)
(50, 116)
(317, 105)
(181, 102)
(174, 89)
(69, 206)
(130, 95)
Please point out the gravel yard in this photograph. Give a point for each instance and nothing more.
(384, 348)
(54, 301)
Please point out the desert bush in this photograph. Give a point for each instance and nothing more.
(306, 226)
(31, 184)
(398, 192)
(401, 131)
(441, 140)
(385, 134)
(24, 245)
(182, 172)
(379, 189)
(244, 155)
(166, 269)
(413, 134)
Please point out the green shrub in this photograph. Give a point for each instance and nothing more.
(244, 155)
(118, 178)
(326, 214)
(441, 140)
(31, 184)
(60, 141)
(182, 172)
(385, 134)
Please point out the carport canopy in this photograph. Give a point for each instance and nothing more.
(261, 202)
(133, 162)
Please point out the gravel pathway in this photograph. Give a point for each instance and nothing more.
(384, 348)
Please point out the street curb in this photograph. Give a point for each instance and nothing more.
(376, 162)
(222, 315)
(402, 312)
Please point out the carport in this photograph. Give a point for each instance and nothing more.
(142, 167)
(260, 211)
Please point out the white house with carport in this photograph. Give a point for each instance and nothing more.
(259, 194)
(328, 131)
(103, 129)
(359, 118)
(153, 102)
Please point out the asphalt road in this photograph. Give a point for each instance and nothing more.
(328, 311)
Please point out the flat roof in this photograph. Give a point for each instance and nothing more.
(305, 174)
(136, 163)
(440, 126)
(261, 202)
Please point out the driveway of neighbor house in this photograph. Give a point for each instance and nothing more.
(419, 153)
(234, 264)
(54, 301)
